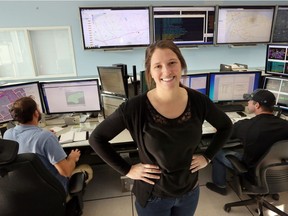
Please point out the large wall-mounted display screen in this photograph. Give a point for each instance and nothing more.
(115, 27)
(184, 25)
(280, 33)
(242, 25)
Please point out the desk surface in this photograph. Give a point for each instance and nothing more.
(124, 136)
(89, 125)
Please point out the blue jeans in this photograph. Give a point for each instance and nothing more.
(182, 206)
(219, 165)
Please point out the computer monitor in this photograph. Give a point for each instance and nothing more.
(184, 25)
(71, 96)
(280, 32)
(279, 87)
(113, 81)
(196, 81)
(115, 27)
(277, 59)
(244, 24)
(143, 83)
(9, 93)
(230, 86)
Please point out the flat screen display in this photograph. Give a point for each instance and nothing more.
(280, 33)
(11, 92)
(230, 86)
(112, 80)
(277, 59)
(196, 81)
(241, 25)
(279, 87)
(71, 96)
(184, 25)
(115, 27)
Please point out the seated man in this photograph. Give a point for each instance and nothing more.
(33, 139)
(257, 135)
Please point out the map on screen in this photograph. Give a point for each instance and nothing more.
(238, 25)
(10, 93)
(114, 27)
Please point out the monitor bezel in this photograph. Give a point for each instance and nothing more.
(122, 81)
(277, 9)
(13, 85)
(183, 43)
(125, 46)
(41, 83)
(285, 61)
(282, 106)
(258, 74)
(244, 7)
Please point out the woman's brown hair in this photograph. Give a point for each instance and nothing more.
(161, 44)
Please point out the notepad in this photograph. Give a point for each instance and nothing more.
(67, 137)
(80, 136)
(73, 136)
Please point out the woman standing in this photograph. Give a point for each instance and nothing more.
(166, 124)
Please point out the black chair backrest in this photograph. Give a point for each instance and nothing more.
(272, 169)
(27, 187)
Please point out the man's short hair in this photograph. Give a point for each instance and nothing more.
(23, 109)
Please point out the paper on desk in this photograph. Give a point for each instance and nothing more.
(80, 136)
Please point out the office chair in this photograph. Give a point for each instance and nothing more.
(28, 188)
(271, 177)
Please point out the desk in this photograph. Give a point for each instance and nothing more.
(56, 124)
(124, 137)
(207, 128)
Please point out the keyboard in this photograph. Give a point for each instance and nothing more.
(231, 107)
(73, 136)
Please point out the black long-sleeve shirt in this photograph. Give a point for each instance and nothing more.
(169, 143)
(258, 134)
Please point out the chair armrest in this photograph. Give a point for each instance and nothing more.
(76, 183)
(239, 167)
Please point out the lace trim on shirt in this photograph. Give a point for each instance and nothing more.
(157, 118)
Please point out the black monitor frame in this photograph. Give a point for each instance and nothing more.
(276, 61)
(280, 27)
(113, 81)
(239, 30)
(186, 25)
(277, 86)
(231, 86)
(36, 95)
(100, 20)
(69, 89)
